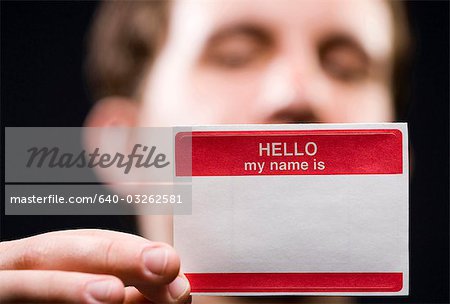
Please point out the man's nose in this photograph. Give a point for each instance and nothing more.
(288, 94)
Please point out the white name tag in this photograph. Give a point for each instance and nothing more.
(307, 209)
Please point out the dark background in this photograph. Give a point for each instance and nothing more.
(42, 85)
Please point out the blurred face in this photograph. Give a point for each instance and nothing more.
(272, 62)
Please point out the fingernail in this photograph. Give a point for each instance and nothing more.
(178, 287)
(100, 291)
(155, 259)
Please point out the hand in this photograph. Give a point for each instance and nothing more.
(90, 266)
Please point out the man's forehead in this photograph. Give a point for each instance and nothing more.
(367, 21)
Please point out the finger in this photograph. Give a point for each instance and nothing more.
(135, 260)
(134, 296)
(59, 286)
(176, 292)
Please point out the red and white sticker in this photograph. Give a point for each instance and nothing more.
(315, 209)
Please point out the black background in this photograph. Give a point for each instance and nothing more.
(42, 85)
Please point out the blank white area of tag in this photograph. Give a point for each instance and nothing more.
(337, 223)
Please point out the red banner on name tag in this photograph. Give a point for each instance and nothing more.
(291, 152)
(296, 282)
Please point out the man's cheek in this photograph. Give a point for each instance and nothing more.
(227, 94)
(371, 105)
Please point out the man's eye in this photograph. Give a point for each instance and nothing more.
(233, 59)
(235, 53)
(344, 63)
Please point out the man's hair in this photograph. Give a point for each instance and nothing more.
(127, 36)
(124, 40)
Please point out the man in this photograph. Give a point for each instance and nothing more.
(183, 62)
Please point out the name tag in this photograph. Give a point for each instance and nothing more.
(306, 209)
